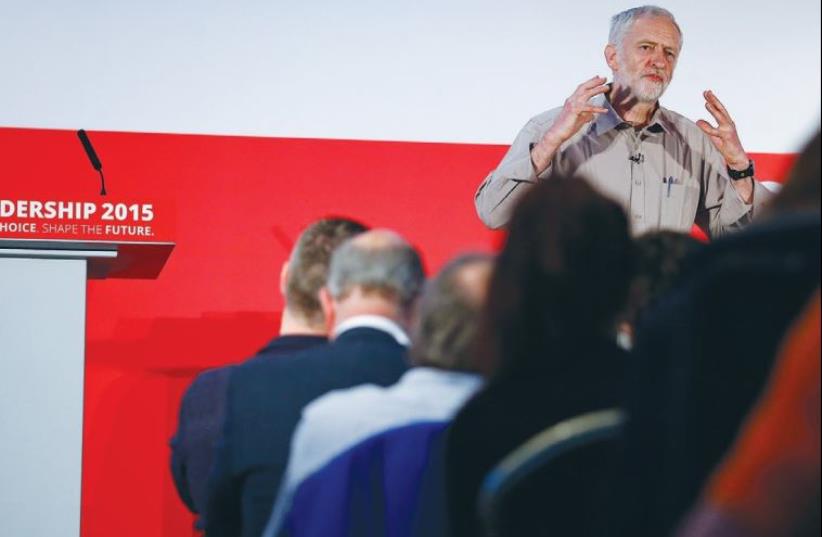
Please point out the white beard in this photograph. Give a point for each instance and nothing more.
(648, 91)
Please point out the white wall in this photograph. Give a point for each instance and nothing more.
(463, 71)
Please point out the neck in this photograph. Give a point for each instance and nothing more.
(294, 325)
(629, 108)
(367, 305)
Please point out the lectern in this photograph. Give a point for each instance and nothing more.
(42, 354)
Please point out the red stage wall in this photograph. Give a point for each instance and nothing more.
(240, 203)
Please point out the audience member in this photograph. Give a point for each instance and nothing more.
(802, 191)
(442, 380)
(659, 258)
(704, 353)
(302, 326)
(547, 334)
(768, 485)
(373, 282)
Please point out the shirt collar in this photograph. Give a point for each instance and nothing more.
(377, 322)
(611, 120)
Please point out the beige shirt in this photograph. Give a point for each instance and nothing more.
(667, 175)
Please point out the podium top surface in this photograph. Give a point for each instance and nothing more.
(120, 237)
(106, 259)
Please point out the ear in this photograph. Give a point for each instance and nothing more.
(611, 57)
(327, 305)
(283, 278)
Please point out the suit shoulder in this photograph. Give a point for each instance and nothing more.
(253, 381)
(261, 363)
(209, 380)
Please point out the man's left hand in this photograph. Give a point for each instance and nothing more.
(726, 140)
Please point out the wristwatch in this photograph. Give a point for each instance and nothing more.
(747, 172)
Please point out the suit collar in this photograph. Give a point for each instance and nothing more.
(293, 342)
(376, 322)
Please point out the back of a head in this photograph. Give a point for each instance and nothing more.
(659, 260)
(802, 189)
(448, 314)
(309, 263)
(379, 263)
(564, 272)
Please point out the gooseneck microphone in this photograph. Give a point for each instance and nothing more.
(92, 156)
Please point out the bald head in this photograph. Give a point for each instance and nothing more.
(449, 312)
(472, 279)
(379, 239)
(379, 262)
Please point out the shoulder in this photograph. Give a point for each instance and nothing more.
(279, 352)
(691, 136)
(260, 366)
(365, 398)
(682, 126)
(675, 118)
(479, 435)
(479, 415)
(543, 120)
(207, 382)
(360, 343)
(212, 376)
(254, 384)
(336, 420)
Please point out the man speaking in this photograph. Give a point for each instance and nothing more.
(667, 171)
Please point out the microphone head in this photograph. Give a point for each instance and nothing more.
(92, 156)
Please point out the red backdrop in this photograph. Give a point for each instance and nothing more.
(240, 203)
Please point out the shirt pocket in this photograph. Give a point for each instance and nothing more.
(679, 204)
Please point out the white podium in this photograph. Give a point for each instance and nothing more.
(42, 354)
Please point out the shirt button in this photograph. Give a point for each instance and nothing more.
(637, 217)
(637, 182)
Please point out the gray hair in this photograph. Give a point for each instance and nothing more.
(448, 317)
(387, 266)
(622, 22)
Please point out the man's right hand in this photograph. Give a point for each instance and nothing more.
(576, 112)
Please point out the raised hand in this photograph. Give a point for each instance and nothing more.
(724, 135)
(576, 112)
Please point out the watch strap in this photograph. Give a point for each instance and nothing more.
(742, 174)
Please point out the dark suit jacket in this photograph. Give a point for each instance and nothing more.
(202, 411)
(580, 375)
(703, 355)
(265, 401)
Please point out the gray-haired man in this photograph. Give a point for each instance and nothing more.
(666, 171)
(444, 377)
(373, 281)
